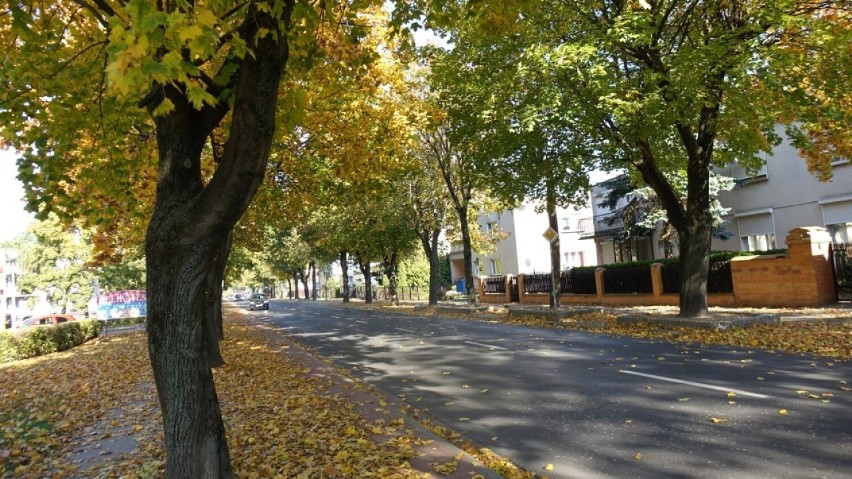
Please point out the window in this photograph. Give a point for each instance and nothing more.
(756, 230)
(840, 232)
(494, 267)
(490, 228)
(758, 242)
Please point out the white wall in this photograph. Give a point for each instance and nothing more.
(792, 194)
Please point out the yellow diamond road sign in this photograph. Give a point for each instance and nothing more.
(550, 234)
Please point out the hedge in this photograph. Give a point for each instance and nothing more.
(714, 256)
(39, 341)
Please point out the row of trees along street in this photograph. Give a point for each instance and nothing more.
(296, 131)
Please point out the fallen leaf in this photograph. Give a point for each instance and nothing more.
(718, 420)
(638, 456)
(549, 467)
(782, 411)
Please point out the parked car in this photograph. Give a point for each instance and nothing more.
(238, 297)
(258, 301)
(47, 320)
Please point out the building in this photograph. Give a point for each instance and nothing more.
(523, 248)
(13, 304)
(783, 195)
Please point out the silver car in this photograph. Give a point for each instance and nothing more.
(258, 301)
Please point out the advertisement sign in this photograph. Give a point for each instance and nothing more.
(122, 304)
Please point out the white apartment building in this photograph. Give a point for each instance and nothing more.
(783, 195)
(525, 250)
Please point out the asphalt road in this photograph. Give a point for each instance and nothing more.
(569, 404)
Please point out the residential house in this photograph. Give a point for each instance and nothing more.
(524, 248)
(783, 195)
(763, 206)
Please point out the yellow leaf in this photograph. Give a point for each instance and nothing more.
(732, 394)
(782, 411)
(638, 456)
(718, 420)
(191, 32)
(548, 467)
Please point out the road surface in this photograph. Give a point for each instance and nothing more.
(568, 404)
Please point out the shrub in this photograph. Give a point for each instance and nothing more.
(40, 341)
(8, 347)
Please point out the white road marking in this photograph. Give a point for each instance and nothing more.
(486, 345)
(406, 330)
(700, 385)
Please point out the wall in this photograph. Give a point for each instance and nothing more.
(803, 277)
(790, 190)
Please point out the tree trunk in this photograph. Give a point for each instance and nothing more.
(555, 266)
(187, 244)
(313, 280)
(296, 275)
(391, 266)
(344, 268)
(368, 282)
(468, 256)
(305, 275)
(429, 241)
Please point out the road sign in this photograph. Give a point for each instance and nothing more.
(550, 234)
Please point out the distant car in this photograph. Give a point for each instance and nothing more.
(258, 301)
(238, 297)
(47, 320)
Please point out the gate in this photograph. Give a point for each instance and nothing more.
(841, 258)
(516, 294)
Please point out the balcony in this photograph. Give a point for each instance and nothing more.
(600, 225)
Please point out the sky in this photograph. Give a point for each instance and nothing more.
(13, 218)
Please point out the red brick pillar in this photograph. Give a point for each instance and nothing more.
(809, 257)
(657, 279)
(599, 282)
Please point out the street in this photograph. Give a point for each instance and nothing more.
(568, 404)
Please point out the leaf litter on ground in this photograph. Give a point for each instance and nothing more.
(57, 412)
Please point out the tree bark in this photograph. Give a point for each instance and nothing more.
(391, 266)
(555, 260)
(368, 281)
(344, 268)
(187, 243)
(429, 241)
(314, 280)
(467, 252)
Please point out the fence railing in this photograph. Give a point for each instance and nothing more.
(577, 281)
(719, 278)
(537, 283)
(495, 284)
(628, 280)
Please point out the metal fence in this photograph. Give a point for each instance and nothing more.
(636, 279)
(495, 284)
(841, 256)
(578, 281)
(719, 278)
(537, 283)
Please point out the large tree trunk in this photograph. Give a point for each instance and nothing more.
(314, 280)
(368, 281)
(429, 241)
(344, 269)
(555, 260)
(467, 252)
(391, 267)
(305, 275)
(187, 244)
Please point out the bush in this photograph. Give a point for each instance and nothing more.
(40, 341)
(8, 347)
